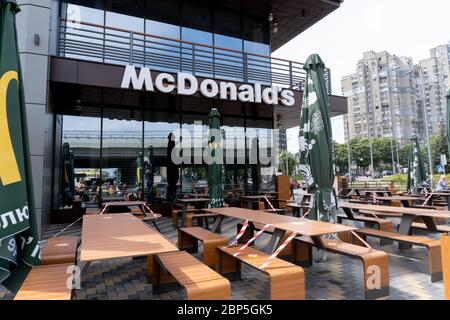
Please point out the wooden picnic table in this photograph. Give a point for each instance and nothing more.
(282, 224)
(407, 214)
(120, 235)
(145, 213)
(113, 198)
(196, 195)
(197, 202)
(404, 200)
(256, 198)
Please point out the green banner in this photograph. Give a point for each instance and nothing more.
(19, 246)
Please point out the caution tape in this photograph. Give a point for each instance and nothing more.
(260, 232)
(280, 248)
(241, 233)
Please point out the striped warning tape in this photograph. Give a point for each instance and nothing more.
(280, 248)
(260, 232)
(241, 233)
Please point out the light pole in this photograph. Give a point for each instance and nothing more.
(427, 136)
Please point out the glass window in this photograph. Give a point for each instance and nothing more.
(118, 42)
(228, 64)
(167, 11)
(122, 157)
(227, 22)
(82, 134)
(196, 15)
(197, 59)
(163, 54)
(81, 41)
(256, 29)
(126, 7)
(158, 126)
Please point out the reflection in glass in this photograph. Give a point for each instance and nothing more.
(228, 64)
(122, 152)
(118, 43)
(83, 41)
(83, 136)
(197, 59)
(162, 54)
(156, 140)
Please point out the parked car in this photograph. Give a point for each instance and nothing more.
(387, 173)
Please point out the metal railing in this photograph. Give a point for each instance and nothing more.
(93, 42)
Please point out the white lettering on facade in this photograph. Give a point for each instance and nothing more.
(187, 84)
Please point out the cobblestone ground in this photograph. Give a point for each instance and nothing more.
(338, 278)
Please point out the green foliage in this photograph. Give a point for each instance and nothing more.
(291, 161)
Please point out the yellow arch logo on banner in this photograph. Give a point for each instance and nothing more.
(9, 170)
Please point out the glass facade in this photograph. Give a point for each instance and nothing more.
(113, 146)
(120, 140)
(215, 37)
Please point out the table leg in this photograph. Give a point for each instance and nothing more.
(275, 240)
(405, 203)
(217, 226)
(183, 215)
(431, 225)
(405, 228)
(448, 201)
(250, 204)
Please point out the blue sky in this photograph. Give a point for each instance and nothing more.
(402, 27)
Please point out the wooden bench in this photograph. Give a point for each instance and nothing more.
(60, 250)
(372, 222)
(176, 215)
(189, 237)
(46, 283)
(433, 247)
(286, 280)
(442, 228)
(373, 261)
(445, 248)
(198, 280)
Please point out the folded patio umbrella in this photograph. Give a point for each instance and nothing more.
(172, 172)
(68, 176)
(19, 246)
(417, 177)
(215, 183)
(315, 142)
(448, 122)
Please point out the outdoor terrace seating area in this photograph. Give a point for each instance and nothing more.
(339, 277)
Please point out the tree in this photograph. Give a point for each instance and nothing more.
(341, 156)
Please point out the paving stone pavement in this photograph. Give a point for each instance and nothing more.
(337, 278)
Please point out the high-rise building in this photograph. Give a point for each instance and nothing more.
(383, 98)
(435, 73)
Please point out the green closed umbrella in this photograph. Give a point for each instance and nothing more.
(19, 245)
(315, 142)
(68, 176)
(417, 177)
(448, 122)
(215, 147)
